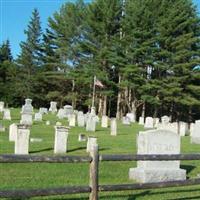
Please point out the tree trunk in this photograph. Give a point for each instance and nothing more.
(134, 109)
(105, 105)
(118, 114)
(143, 110)
(100, 107)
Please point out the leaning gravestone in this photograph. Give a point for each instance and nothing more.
(104, 121)
(195, 135)
(53, 107)
(113, 126)
(1, 106)
(61, 136)
(92, 141)
(26, 113)
(13, 132)
(80, 119)
(22, 139)
(38, 117)
(6, 114)
(157, 142)
(148, 122)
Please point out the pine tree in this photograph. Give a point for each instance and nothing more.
(29, 60)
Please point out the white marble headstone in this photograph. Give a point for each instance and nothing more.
(1, 106)
(13, 132)
(148, 122)
(113, 126)
(22, 140)
(53, 107)
(157, 142)
(92, 141)
(61, 136)
(104, 121)
(80, 119)
(195, 135)
(6, 114)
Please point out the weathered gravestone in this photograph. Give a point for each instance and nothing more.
(92, 141)
(38, 117)
(195, 135)
(61, 113)
(113, 126)
(165, 119)
(43, 110)
(13, 132)
(126, 121)
(36, 140)
(183, 128)
(2, 128)
(22, 139)
(81, 137)
(104, 121)
(191, 128)
(131, 116)
(61, 136)
(91, 123)
(173, 127)
(26, 113)
(93, 111)
(141, 120)
(6, 114)
(148, 122)
(80, 119)
(58, 124)
(68, 110)
(1, 106)
(155, 122)
(48, 123)
(72, 120)
(157, 142)
(53, 107)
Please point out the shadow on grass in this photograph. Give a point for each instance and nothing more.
(76, 149)
(81, 148)
(188, 168)
(41, 150)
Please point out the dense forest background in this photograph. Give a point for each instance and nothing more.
(145, 52)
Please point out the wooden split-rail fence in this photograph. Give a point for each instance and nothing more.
(94, 188)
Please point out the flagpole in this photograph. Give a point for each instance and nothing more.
(93, 95)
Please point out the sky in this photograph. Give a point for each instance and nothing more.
(15, 15)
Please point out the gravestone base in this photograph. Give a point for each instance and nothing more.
(195, 140)
(156, 175)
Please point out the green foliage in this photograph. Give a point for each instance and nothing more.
(151, 46)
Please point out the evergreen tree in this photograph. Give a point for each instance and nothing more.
(29, 60)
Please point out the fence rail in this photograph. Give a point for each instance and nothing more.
(94, 186)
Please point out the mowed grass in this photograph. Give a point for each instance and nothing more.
(44, 175)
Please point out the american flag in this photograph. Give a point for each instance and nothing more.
(98, 83)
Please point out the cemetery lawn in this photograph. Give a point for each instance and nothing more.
(44, 175)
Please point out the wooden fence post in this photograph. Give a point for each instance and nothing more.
(94, 167)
